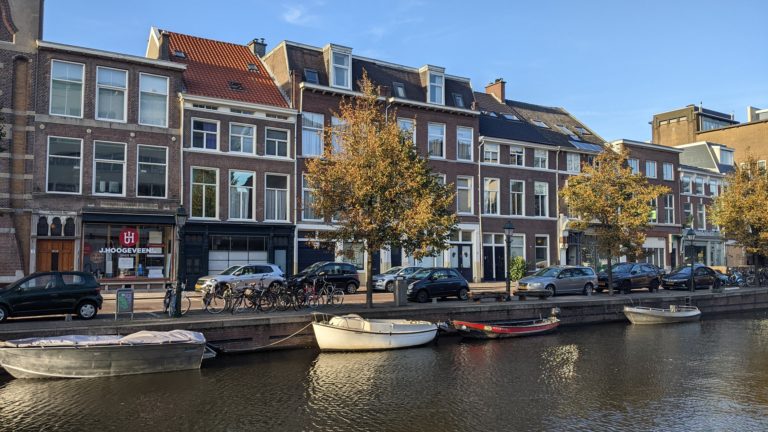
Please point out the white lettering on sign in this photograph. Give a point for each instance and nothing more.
(132, 250)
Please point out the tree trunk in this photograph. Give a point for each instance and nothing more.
(610, 276)
(369, 279)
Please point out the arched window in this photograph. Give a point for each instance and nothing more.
(69, 227)
(42, 227)
(56, 227)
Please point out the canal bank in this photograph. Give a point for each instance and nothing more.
(282, 330)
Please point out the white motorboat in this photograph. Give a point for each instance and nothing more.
(649, 315)
(80, 356)
(355, 333)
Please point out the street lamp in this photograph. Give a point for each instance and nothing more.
(181, 220)
(690, 235)
(509, 229)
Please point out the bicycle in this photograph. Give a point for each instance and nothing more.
(169, 301)
(213, 300)
(328, 292)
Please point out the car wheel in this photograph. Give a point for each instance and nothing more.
(588, 289)
(390, 286)
(463, 294)
(3, 313)
(275, 285)
(86, 310)
(351, 288)
(551, 290)
(422, 296)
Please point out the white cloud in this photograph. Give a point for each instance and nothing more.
(298, 15)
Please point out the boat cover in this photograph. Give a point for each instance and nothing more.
(356, 322)
(144, 337)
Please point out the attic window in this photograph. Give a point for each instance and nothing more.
(458, 100)
(581, 130)
(311, 76)
(567, 131)
(540, 124)
(492, 114)
(236, 86)
(252, 67)
(180, 54)
(399, 89)
(510, 117)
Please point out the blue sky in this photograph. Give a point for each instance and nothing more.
(612, 64)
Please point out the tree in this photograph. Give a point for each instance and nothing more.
(373, 182)
(741, 210)
(614, 202)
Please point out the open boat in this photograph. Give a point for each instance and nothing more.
(355, 333)
(80, 356)
(649, 315)
(505, 329)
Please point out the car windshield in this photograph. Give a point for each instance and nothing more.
(393, 270)
(311, 268)
(548, 272)
(421, 274)
(621, 268)
(230, 270)
(682, 271)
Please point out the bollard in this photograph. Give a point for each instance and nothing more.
(401, 291)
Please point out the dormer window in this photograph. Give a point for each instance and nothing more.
(236, 86)
(311, 76)
(398, 89)
(252, 67)
(436, 88)
(341, 69)
(180, 54)
(458, 100)
(726, 157)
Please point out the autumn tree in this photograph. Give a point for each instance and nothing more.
(373, 182)
(614, 203)
(741, 210)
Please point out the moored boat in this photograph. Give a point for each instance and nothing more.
(81, 356)
(673, 314)
(355, 333)
(505, 329)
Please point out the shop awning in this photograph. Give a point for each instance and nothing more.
(128, 218)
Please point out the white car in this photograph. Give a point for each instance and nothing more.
(269, 275)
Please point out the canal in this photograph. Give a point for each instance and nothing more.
(711, 375)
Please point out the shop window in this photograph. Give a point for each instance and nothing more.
(127, 251)
(56, 227)
(42, 226)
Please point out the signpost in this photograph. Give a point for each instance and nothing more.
(123, 301)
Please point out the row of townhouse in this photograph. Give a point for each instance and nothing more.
(104, 148)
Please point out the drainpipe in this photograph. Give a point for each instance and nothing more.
(479, 205)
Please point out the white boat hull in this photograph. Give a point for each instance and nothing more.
(352, 333)
(645, 315)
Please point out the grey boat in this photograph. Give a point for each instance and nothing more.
(80, 356)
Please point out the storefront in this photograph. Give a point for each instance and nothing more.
(125, 249)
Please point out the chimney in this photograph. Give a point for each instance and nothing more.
(497, 90)
(165, 46)
(258, 47)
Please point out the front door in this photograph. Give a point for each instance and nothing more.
(55, 255)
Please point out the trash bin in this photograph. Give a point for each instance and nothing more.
(401, 291)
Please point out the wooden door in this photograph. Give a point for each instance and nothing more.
(55, 255)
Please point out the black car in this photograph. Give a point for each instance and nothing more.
(436, 282)
(52, 293)
(341, 275)
(680, 278)
(628, 276)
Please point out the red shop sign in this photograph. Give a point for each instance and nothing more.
(129, 237)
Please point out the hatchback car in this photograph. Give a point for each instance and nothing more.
(52, 293)
(628, 276)
(386, 280)
(341, 275)
(560, 280)
(269, 275)
(436, 282)
(680, 278)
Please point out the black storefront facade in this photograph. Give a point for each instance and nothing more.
(211, 247)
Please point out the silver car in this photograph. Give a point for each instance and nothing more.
(241, 275)
(560, 280)
(386, 280)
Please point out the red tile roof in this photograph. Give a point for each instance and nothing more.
(213, 65)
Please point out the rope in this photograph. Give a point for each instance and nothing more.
(268, 345)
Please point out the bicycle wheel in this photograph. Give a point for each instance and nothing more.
(237, 305)
(186, 303)
(215, 303)
(283, 301)
(266, 302)
(337, 297)
(313, 301)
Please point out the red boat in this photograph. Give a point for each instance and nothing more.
(497, 329)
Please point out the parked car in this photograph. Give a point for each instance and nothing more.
(240, 275)
(439, 282)
(560, 280)
(341, 275)
(680, 278)
(386, 280)
(52, 293)
(628, 276)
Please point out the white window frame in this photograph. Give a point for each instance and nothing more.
(634, 165)
(669, 209)
(229, 195)
(401, 120)
(573, 162)
(696, 181)
(48, 165)
(470, 195)
(686, 179)
(651, 169)
(205, 133)
(669, 169)
(429, 135)
(689, 214)
(229, 141)
(167, 95)
(337, 124)
(108, 87)
(537, 157)
(82, 91)
(459, 129)
(124, 163)
(486, 193)
(522, 201)
(432, 92)
(287, 197)
(138, 166)
(317, 131)
(654, 209)
(347, 69)
(514, 155)
(305, 188)
(287, 142)
(701, 216)
(714, 187)
(546, 199)
(191, 193)
(535, 246)
(491, 149)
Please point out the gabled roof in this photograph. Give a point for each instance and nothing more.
(221, 70)
(701, 155)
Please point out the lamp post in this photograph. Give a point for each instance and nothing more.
(181, 220)
(509, 229)
(690, 235)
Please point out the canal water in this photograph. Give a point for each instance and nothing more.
(707, 376)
